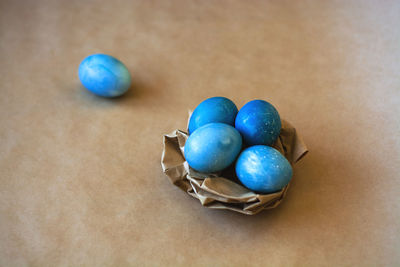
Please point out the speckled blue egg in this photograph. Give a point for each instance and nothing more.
(214, 109)
(212, 147)
(104, 75)
(258, 122)
(263, 169)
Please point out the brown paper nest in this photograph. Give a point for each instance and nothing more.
(217, 192)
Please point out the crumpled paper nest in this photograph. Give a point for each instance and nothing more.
(216, 192)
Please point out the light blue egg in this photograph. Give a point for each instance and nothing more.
(212, 147)
(263, 169)
(259, 123)
(214, 109)
(104, 75)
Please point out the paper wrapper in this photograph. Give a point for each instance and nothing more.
(216, 192)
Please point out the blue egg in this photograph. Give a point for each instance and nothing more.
(213, 147)
(104, 75)
(258, 122)
(214, 109)
(263, 169)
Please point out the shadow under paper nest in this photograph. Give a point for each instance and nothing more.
(217, 192)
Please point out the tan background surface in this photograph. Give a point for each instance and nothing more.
(81, 182)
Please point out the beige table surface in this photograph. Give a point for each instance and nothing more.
(80, 176)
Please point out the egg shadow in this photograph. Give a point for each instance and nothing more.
(141, 90)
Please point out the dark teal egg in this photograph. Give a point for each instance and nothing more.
(259, 123)
(214, 109)
(213, 147)
(263, 169)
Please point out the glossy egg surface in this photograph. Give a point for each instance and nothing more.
(104, 75)
(214, 109)
(258, 122)
(263, 169)
(212, 147)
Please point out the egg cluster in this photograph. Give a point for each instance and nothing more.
(220, 136)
